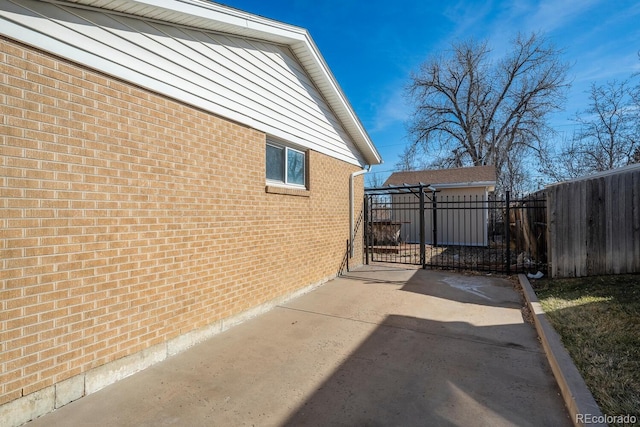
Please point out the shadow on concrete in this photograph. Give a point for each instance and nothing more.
(465, 288)
(478, 289)
(408, 373)
(384, 347)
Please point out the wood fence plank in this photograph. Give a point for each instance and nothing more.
(584, 224)
(612, 220)
(551, 224)
(635, 222)
(578, 226)
(625, 222)
(560, 225)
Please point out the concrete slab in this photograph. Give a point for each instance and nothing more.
(384, 345)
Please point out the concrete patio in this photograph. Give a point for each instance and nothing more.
(382, 346)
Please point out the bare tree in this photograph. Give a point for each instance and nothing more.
(609, 133)
(470, 110)
(608, 136)
(373, 180)
(567, 164)
(408, 159)
(635, 91)
(635, 100)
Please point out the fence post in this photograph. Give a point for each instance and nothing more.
(435, 221)
(367, 229)
(507, 232)
(348, 252)
(423, 257)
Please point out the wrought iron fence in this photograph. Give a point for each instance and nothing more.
(417, 225)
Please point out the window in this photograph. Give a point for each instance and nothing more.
(286, 165)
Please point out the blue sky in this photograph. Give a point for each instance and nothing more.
(373, 46)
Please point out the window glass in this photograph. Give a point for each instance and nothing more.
(295, 167)
(275, 163)
(285, 165)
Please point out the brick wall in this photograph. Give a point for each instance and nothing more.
(128, 219)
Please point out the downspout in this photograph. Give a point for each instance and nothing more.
(351, 206)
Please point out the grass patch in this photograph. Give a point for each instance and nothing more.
(598, 319)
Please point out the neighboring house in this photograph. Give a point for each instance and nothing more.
(460, 210)
(168, 169)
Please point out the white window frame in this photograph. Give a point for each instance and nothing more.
(286, 182)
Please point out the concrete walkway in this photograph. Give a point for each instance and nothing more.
(383, 346)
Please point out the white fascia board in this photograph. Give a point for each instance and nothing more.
(215, 17)
(477, 184)
(328, 85)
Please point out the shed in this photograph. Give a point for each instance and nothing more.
(456, 205)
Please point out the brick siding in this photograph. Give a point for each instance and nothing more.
(128, 219)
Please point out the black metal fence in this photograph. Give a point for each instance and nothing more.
(451, 230)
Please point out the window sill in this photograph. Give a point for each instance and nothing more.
(288, 191)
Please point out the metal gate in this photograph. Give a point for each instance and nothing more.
(418, 225)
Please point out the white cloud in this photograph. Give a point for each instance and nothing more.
(392, 108)
(550, 15)
(469, 18)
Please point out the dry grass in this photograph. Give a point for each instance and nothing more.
(598, 319)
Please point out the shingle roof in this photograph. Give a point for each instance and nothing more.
(444, 176)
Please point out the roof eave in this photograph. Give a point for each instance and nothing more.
(466, 184)
(210, 16)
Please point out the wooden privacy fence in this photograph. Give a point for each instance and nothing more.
(594, 224)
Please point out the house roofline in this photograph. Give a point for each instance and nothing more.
(219, 18)
(465, 184)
